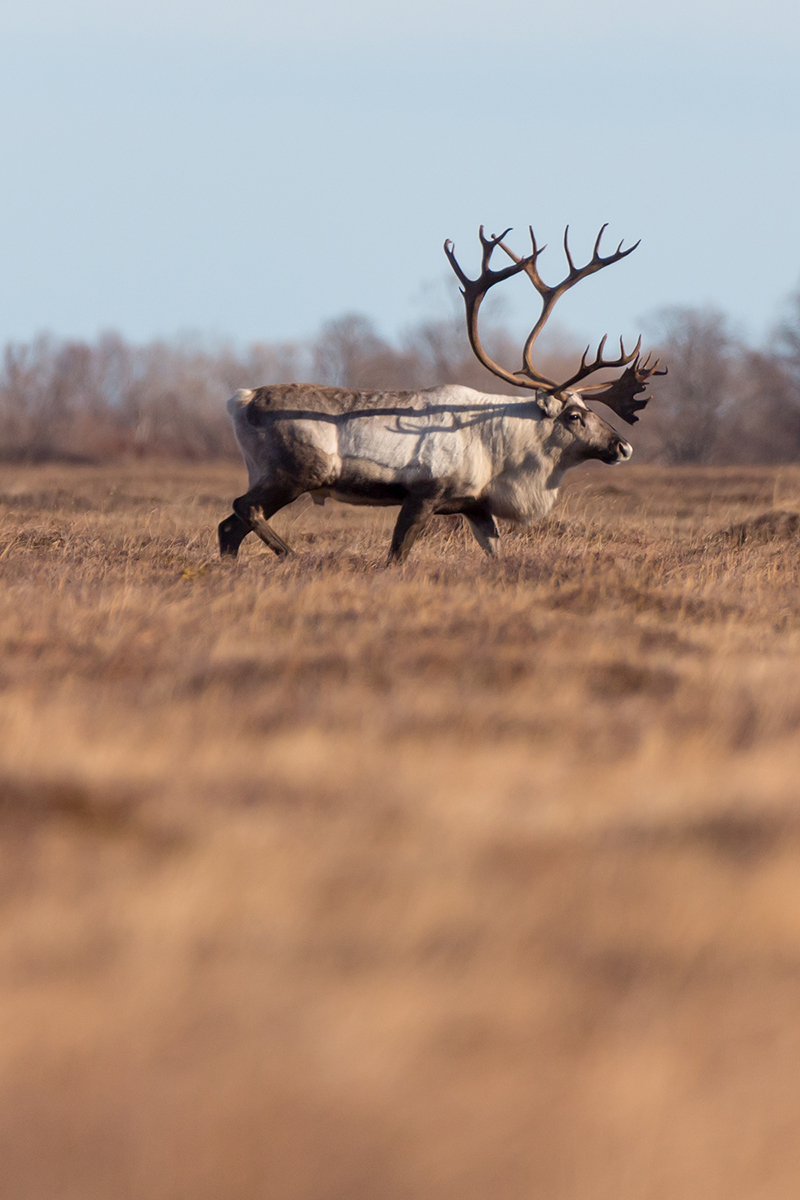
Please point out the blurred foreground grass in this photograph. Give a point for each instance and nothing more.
(463, 880)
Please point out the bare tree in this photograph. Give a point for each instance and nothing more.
(349, 353)
(763, 425)
(696, 343)
(721, 402)
(785, 341)
(766, 424)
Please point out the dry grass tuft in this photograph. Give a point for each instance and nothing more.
(768, 527)
(461, 879)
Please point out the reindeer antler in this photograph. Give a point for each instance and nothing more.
(630, 382)
(474, 290)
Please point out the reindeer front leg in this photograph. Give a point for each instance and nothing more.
(415, 513)
(483, 526)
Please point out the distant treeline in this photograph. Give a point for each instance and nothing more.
(722, 401)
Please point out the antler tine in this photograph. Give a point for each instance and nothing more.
(599, 354)
(518, 258)
(645, 366)
(599, 238)
(449, 247)
(618, 254)
(566, 248)
(489, 245)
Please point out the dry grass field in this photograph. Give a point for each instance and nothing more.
(457, 881)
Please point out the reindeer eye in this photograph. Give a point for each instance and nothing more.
(574, 416)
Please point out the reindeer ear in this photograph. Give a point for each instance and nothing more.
(550, 404)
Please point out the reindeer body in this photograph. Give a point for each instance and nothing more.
(375, 447)
(446, 450)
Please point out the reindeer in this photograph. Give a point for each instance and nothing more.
(444, 450)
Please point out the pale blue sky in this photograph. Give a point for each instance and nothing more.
(245, 170)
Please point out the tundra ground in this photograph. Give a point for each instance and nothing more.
(459, 880)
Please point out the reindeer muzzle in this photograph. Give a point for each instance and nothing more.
(619, 451)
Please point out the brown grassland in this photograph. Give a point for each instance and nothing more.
(321, 881)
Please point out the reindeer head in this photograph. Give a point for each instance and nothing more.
(580, 434)
(560, 399)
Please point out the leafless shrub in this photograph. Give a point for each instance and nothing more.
(774, 525)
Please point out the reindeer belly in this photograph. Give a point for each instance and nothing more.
(374, 492)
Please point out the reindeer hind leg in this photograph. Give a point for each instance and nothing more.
(256, 507)
(231, 533)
